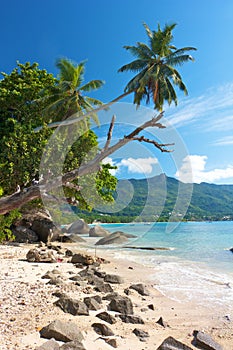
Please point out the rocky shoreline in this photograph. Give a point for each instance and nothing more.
(80, 301)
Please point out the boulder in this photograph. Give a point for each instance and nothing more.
(72, 306)
(73, 345)
(131, 319)
(98, 231)
(105, 316)
(46, 230)
(121, 304)
(115, 279)
(171, 343)
(205, 341)
(71, 238)
(113, 238)
(92, 303)
(49, 345)
(83, 259)
(140, 288)
(65, 331)
(79, 227)
(123, 234)
(24, 235)
(103, 288)
(141, 334)
(102, 329)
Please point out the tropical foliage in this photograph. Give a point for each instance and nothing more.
(155, 64)
(66, 99)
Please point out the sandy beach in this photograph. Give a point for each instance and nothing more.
(27, 305)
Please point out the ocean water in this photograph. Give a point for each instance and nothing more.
(197, 265)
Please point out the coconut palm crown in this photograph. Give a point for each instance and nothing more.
(155, 64)
(67, 97)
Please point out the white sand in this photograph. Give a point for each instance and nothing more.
(26, 303)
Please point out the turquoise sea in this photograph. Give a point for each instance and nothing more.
(198, 264)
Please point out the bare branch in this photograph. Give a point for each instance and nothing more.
(160, 146)
(110, 133)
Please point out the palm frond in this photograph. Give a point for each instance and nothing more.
(92, 85)
(148, 31)
(134, 66)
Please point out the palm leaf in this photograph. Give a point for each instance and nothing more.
(134, 66)
(92, 85)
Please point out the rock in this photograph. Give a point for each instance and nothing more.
(92, 303)
(87, 272)
(131, 319)
(111, 296)
(171, 343)
(83, 259)
(123, 305)
(113, 238)
(100, 274)
(65, 331)
(162, 323)
(73, 345)
(110, 341)
(205, 341)
(141, 334)
(123, 234)
(140, 288)
(72, 306)
(24, 235)
(103, 288)
(71, 238)
(231, 250)
(49, 345)
(105, 316)
(35, 255)
(151, 307)
(79, 227)
(98, 231)
(102, 329)
(46, 230)
(76, 278)
(56, 281)
(113, 279)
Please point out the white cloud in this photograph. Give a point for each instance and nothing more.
(139, 165)
(214, 109)
(224, 141)
(193, 170)
(134, 165)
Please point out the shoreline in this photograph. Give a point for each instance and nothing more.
(27, 304)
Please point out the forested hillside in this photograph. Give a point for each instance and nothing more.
(155, 198)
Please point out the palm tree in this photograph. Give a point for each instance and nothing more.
(67, 99)
(156, 74)
(155, 66)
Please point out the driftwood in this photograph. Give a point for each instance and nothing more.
(21, 197)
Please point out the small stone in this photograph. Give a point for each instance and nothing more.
(140, 288)
(105, 316)
(102, 329)
(162, 323)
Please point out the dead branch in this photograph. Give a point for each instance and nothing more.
(160, 146)
(109, 137)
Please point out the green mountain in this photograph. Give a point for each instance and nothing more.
(162, 198)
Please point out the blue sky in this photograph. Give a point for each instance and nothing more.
(201, 125)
